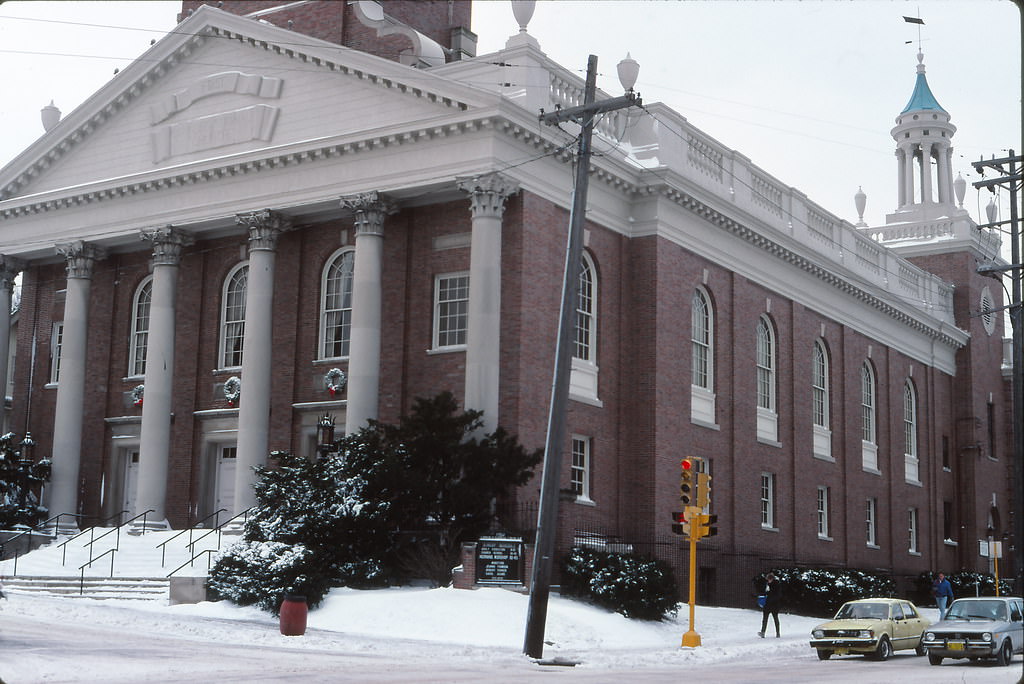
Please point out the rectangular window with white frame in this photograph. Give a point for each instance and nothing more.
(768, 501)
(451, 310)
(871, 518)
(912, 531)
(823, 513)
(581, 465)
(56, 343)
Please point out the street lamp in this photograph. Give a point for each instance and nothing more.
(325, 435)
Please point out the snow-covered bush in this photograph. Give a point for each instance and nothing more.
(261, 573)
(963, 582)
(356, 513)
(629, 584)
(822, 591)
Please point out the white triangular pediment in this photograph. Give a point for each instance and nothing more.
(223, 86)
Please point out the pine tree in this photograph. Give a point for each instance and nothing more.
(390, 498)
(20, 478)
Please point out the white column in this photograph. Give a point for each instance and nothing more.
(908, 176)
(926, 173)
(363, 391)
(254, 404)
(9, 269)
(483, 334)
(67, 423)
(901, 168)
(155, 448)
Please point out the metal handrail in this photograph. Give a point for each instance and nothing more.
(38, 529)
(219, 528)
(191, 560)
(81, 568)
(118, 530)
(64, 546)
(163, 545)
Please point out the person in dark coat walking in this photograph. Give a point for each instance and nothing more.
(772, 601)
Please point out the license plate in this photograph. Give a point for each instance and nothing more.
(956, 645)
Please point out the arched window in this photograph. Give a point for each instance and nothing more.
(232, 330)
(819, 385)
(139, 341)
(766, 364)
(702, 341)
(583, 378)
(910, 432)
(585, 338)
(868, 409)
(336, 305)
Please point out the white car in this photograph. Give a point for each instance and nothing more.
(983, 627)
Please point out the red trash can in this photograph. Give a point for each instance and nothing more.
(293, 615)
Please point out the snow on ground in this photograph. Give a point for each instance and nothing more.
(476, 625)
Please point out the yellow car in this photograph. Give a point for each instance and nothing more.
(871, 627)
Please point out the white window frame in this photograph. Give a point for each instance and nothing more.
(336, 304)
(910, 453)
(138, 345)
(820, 401)
(583, 376)
(455, 309)
(767, 365)
(233, 328)
(768, 501)
(912, 531)
(582, 462)
(823, 505)
(871, 519)
(56, 345)
(702, 349)
(869, 417)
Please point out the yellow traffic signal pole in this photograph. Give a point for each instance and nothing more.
(691, 638)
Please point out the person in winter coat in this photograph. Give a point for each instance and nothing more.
(772, 601)
(943, 593)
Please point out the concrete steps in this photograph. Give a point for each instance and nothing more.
(124, 588)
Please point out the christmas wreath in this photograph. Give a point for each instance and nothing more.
(233, 390)
(335, 381)
(137, 394)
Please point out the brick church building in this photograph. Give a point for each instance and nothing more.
(289, 209)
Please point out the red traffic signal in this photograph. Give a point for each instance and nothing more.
(679, 523)
(687, 481)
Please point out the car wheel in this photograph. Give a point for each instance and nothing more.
(1005, 654)
(934, 659)
(824, 654)
(884, 649)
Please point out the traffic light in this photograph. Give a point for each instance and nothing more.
(688, 481)
(703, 490)
(680, 524)
(706, 525)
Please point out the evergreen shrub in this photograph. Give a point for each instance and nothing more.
(629, 584)
(822, 591)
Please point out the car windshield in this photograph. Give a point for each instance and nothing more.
(979, 610)
(863, 611)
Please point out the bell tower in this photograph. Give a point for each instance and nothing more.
(924, 153)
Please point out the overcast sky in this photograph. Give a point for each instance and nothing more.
(807, 90)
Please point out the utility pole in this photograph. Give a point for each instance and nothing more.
(547, 516)
(1010, 176)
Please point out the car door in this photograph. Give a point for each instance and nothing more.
(899, 626)
(914, 624)
(1017, 625)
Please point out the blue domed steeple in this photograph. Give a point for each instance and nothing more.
(921, 98)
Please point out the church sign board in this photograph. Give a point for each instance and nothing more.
(499, 560)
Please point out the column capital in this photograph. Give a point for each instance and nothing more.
(264, 227)
(371, 208)
(10, 267)
(487, 193)
(168, 243)
(80, 257)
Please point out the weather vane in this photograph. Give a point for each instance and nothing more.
(920, 22)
